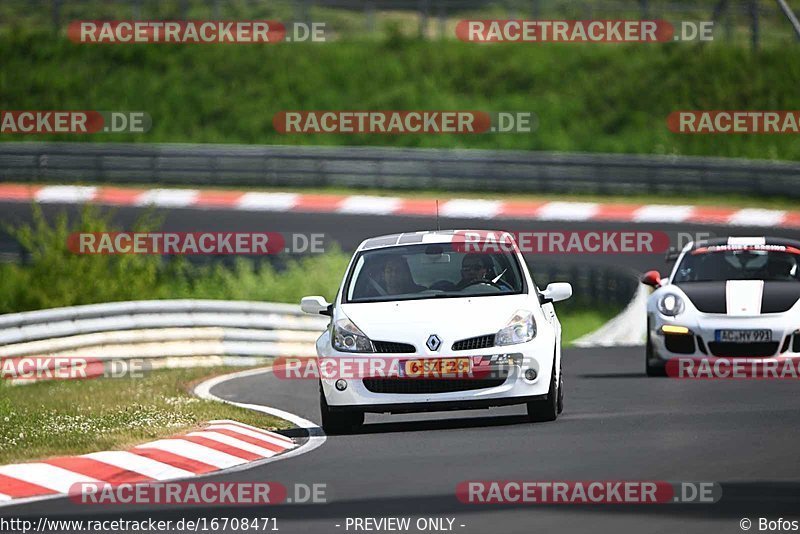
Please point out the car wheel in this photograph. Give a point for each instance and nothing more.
(540, 411)
(653, 369)
(560, 389)
(338, 422)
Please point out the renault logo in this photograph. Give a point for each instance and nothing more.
(433, 342)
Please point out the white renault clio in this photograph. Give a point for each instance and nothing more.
(435, 302)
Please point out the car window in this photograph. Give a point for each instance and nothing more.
(431, 271)
(738, 264)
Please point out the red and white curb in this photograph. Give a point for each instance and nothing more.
(222, 446)
(380, 205)
(219, 445)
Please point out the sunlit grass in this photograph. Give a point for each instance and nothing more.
(75, 417)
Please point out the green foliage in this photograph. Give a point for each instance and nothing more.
(54, 276)
(608, 98)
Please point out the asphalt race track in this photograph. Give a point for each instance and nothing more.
(617, 425)
(349, 230)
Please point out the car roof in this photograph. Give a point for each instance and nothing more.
(745, 242)
(422, 237)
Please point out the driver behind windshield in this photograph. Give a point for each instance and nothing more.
(781, 267)
(474, 268)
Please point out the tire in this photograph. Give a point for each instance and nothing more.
(652, 369)
(542, 411)
(560, 389)
(338, 422)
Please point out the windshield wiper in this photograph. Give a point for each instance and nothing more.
(498, 277)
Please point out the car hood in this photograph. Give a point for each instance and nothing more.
(742, 297)
(451, 319)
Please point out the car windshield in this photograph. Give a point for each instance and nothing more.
(431, 271)
(708, 264)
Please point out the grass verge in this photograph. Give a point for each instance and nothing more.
(577, 322)
(76, 417)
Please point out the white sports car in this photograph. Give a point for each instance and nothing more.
(431, 304)
(733, 297)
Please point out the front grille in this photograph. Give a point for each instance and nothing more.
(390, 347)
(425, 385)
(743, 350)
(473, 343)
(679, 343)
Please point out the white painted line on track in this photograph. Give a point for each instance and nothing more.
(316, 438)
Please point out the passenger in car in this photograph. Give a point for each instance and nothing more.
(397, 277)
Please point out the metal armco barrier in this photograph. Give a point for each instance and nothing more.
(162, 328)
(393, 168)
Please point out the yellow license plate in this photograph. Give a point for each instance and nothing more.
(436, 367)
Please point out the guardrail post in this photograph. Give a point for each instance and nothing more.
(754, 30)
(442, 20)
(534, 9)
(369, 14)
(424, 9)
(57, 14)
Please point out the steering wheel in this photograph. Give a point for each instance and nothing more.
(486, 282)
(443, 285)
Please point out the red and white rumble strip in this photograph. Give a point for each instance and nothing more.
(374, 205)
(221, 444)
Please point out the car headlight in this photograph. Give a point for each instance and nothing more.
(520, 329)
(670, 305)
(347, 337)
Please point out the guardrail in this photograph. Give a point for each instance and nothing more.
(764, 20)
(161, 329)
(394, 168)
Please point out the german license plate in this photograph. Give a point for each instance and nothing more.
(743, 336)
(436, 367)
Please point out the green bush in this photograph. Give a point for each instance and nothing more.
(52, 276)
(607, 98)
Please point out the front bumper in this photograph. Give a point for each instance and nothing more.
(700, 341)
(515, 389)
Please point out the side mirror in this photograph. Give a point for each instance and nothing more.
(652, 279)
(557, 292)
(316, 305)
